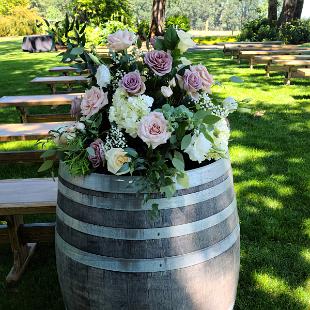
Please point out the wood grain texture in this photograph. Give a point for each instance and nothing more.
(27, 196)
(112, 255)
(41, 118)
(28, 131)
(38, 100)
(61, 79)
(304, 72)
(274, 52)
(289, 62)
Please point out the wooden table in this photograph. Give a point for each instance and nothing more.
(22, 103)
(66, 80)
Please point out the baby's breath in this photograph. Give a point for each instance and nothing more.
(115, 139)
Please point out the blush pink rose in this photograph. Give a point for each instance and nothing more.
(191, 82)
(159, 61)
(98, 156)
(93, 100)
(153, 129)
(206, 77)
(121, 39)
(132, 83)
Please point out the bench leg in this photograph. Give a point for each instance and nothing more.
(287, 80)
(251, 61)
(23, 114)
(21, 252)
(53, 88)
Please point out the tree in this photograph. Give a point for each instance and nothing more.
(291, 10)
(158, 18)
(6, 6)
(272, 10)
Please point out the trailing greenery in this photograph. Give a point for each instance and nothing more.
(261, 29)
(271, 162)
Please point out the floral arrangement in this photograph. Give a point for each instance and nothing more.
(149, 112)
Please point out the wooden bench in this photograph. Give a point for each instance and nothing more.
(22, 103)
(27, 131)
(249, 55)
(288, 66)
(18, 198)
(302, 73)
(52, 81)
(268, 58)
(63, 70)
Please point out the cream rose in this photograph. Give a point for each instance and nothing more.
(153, 129)
(116, 158)
(186, 41)
(93, 100)
(103, 76)
(121, 39)
(166, 91)
(230, 104)
(198, 148)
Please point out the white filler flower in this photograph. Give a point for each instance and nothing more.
(198, 148)
(103, 76)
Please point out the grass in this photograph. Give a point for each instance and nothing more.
(270, 154)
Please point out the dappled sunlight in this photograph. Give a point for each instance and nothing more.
(306, 225)
(236, 134)
(241, 154)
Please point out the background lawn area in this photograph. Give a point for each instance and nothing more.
(270, 153)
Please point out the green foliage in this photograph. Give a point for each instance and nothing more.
(179, 21)
(214, 39)
(101, 11)
(143, 29)
(260, 29)
(7, 6)
(22, 21)
(294, 32)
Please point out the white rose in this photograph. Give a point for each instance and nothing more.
(185, 61)
(166, 91)
(198, 148)
(80, 126)
(186, 41)
(116, 158)
(121, 39)
(103, 76)
(230, 104)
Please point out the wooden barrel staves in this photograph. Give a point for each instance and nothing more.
(112, 255)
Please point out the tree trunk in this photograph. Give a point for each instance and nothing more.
(158, 18)
(272, 10)
(291, 10)
(298, 9)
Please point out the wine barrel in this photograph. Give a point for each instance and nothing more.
(112, 255)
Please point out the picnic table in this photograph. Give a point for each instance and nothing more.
(22, 103)
(52, 81)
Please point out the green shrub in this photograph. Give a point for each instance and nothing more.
(295, 32)
(94, 35)
(180, 21)
(259, 29)
(22, 21)
(214, 39)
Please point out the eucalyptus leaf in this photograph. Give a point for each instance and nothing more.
(91, 151)
(131, 152)
(124, 168)
(186, 141)
(183, 180)
(236, 79)
(48, 164)
(178, 164)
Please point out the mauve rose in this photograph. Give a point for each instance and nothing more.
(206, 77)
(152, 129)
(159, 61)
(191, 82)
(98, 156)
(132, 83)
(121, 39)
(93, 100)
(76, 107)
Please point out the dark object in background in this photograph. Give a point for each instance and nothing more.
(38, 43)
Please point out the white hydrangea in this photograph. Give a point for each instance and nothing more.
(220, 134)
(230, 104)
(127, 112)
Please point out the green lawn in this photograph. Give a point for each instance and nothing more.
(270, 154)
